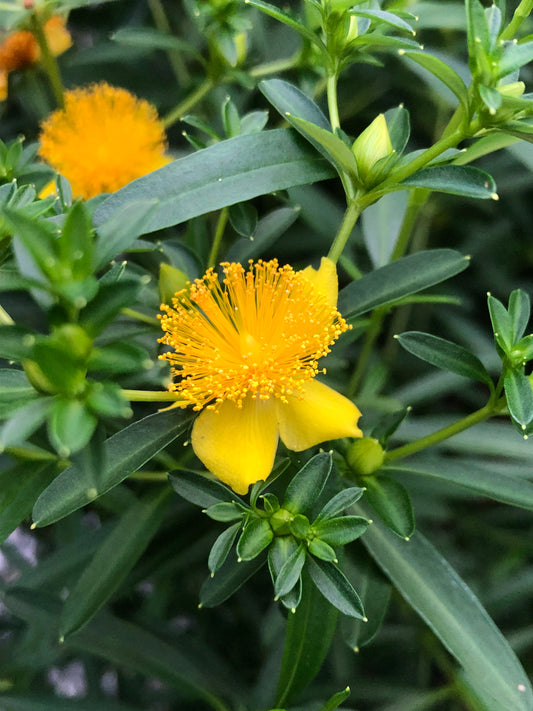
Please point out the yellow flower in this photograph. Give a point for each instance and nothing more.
(103, 139)
(20, 50)
(245, 353)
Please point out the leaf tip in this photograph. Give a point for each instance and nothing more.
(33, 527)
(407, 538)
(355, 649)
(401, 52)
(200, 606)
(365, 619)
(494, 196)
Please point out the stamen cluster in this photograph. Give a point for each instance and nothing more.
(259, 333)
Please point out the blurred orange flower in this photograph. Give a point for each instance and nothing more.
(104, 138)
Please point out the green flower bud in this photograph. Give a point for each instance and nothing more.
(365, 456)
(514, 90)
(371, 146)
(171, 280)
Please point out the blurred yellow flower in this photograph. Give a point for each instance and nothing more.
(104, 138)
(245, 352)
(20, 50)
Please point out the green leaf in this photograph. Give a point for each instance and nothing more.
(113, 560)
(76, 242)
(471, 474)
(283, 548)
(381, 16)
(335, 587)
(433, 588)
(400, 278)
(519, 394)
(118, 233)
(399, 127)
(340, 531)
(306, 486)
(336, 700)
(243, 218)
(228, 579)
(221, 547)
(501, 323)
(519, 312)
(290, 572)
(309, 635)
(39, 238)
(477, 32)
(375, 592)
(19, 488)
(445, 355)
(339, 503)
(256, 536)
(288, 99)
(228, 172)
(274, 12)
(124, 453)
(391, 502)
(200, 490)
(442, 71)
(151, 38)
(490, 97)
(461, 180)
(225, 512)
(515, 56)
(321, 549)
(70, 425)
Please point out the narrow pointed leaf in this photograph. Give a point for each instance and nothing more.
(502, 324)
(228, 579)
(200, 490)
(433, 588)
(445, 355)
(221, 547)
(381, 16)
(124, 453)
(226, 173)
(339, 503)
(463, 180)
(470, 474)
(290, 572)
(274, 12)
(442, 71)
(519, 394)
(391, 502)
(288, 99)
(307, 484)
(336, 587)
(400, 278)
(519, 312)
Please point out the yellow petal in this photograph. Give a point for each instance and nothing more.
(320, 414)
(237, 445)
(324, 280)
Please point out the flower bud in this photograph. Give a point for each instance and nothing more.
(365, 456)
(371, 146)
(171, 280)
(514, 90)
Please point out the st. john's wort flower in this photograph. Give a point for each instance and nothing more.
(245, 353)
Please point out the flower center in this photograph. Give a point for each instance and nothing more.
(259, 333)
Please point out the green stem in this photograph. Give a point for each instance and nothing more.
(417, 199)
(219, 233)
(521, 13)
(138, 316)
(276, 66)
(440, 435)
(372, 333)
(48, 61)
(174, 57)
(188, 103)
(150, 396)
(333, 106)
(345, 230)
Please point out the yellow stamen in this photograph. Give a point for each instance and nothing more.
(260, 334)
